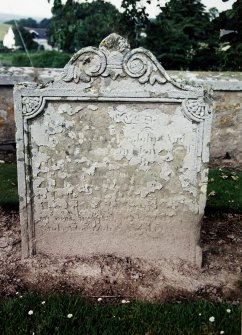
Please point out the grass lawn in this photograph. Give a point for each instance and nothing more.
(224, 191)
(42, 59)
(8, 186)
(72, 315)
(6, 59)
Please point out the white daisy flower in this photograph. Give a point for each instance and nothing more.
(69, 316)
(99, 299)
(228, 310)
(30, 312)
(212, 319)
(43, 302)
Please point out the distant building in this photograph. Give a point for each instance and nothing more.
(40, 36)
(9, 39)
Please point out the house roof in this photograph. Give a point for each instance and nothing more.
(40, 32)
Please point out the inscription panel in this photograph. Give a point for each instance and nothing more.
(122, 169)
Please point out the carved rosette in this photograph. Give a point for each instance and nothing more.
(88, 62)
(30, 105)
(141, 64)
(195, 110)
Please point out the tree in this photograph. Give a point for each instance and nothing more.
(133, 20)
(230, 24)
(25, 22)
(213, 13)
(76, 25)
(182, 36)
(96, 20)
(45, 23)
(62, 25)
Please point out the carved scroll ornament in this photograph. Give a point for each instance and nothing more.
(115, 59)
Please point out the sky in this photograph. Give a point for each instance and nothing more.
(41, 8)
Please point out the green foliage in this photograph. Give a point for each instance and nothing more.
(213, 13)
(50, 317)
(63, 25)
(25, 22)
(8, 186)
(51, 59)
(224, 191)
(187, 39)
(6, 58)
(183, 36)
(41, 59)
(133, 20)
(231, 20)
(231, 59)
(76, 25)
(3, 49)
(20, 60)
(45, 23)
(31, 23)
(97, 20)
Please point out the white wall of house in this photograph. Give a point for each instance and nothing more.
(9, 39)
(44, 43)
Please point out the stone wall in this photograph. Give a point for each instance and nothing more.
(227, 121)
(7, 125)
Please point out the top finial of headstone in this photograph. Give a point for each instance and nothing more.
(115, 42)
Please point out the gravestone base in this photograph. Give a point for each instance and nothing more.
(144, 245)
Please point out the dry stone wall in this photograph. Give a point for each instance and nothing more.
(112, 158)
(7, 126)
(227, 119)
(227, 128)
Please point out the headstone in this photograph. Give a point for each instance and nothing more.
(112, 158)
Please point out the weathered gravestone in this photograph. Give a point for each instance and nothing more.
(112, 158)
